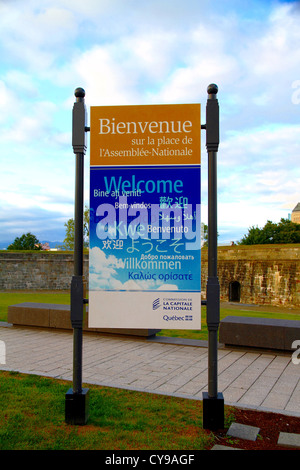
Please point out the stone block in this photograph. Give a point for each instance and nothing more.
(255, 332)
(289, 439)
(243, 431)
(59, 316)
(25, 314)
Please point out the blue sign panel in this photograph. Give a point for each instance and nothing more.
(145, 246)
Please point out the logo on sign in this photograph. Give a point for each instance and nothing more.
(156, 304)
(178, 318)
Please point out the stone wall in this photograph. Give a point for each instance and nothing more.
(258, 274)
(37, 270)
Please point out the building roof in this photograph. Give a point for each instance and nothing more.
(297, 208)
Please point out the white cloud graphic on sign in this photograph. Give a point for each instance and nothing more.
(104, 272)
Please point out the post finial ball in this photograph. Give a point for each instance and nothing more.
(79, 93)
(212, 89)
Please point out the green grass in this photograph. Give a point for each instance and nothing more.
(32, 417)
(17, 297)
(32, 407)
(63, 297)
(224, 312)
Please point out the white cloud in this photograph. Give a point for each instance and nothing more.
(8, 104)
(99, 260)
(103, 271)
(168, 287)
(128, 52)
(255, 165)
(104, 73)
(35, 35)
(104, 275)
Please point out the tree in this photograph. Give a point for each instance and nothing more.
(70, 231)
(27, 241)
(283, 232)
(204, 234)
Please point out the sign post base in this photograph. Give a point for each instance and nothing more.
(77, 407)
(213, 411)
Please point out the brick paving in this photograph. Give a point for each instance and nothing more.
(251, 379)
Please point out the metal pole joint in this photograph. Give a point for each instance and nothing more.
(79, 123)
(212, 119)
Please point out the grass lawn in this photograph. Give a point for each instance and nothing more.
(224, 312)
(32, 408)
(17, 297)
(32, 418)
(63, 297)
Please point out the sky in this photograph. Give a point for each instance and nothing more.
(149, 52)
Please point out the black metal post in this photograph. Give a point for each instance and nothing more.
(77, 399)
(213, 402)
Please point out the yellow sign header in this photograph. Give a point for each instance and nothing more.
(145, 135)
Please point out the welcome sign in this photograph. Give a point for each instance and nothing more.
(145, 237)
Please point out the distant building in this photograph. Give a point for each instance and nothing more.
(296, 214)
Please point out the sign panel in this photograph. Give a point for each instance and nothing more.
(145, 217)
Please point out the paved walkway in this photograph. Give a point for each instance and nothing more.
(252, 379)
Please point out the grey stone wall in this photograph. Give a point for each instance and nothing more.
(264, 274)
(37, 270)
